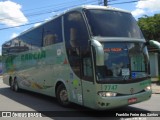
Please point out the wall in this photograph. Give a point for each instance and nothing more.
(153, 64)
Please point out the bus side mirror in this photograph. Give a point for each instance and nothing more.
(153, 43)
(99, 52)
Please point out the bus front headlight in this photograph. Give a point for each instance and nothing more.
(148, 88)
(107, 94)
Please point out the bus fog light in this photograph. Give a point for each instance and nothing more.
(107, 94)
(148, 88)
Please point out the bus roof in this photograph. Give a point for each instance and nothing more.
(73, 9)
(97, 7)
(80, 8)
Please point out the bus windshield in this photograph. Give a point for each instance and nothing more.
(108, 23)
(123, 61)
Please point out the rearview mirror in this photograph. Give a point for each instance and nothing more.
(99, 52)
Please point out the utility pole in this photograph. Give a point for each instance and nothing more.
(105, 2)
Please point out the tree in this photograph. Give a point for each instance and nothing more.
(150, 26)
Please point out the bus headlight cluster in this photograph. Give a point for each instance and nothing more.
(107, 94)
(148, 88)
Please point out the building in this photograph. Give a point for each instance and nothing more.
(154, 55)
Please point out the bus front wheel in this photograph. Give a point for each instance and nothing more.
(62, 95)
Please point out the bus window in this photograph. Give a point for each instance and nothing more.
(14, 46)
(87, 65)
(123, 61)
(52, 32)
(108, 23)
(34, 38)
(117, 66)
(49, 39)
(77, 47)
(139, 60)
(75, 30)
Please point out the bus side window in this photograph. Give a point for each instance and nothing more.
(75, 31)
(73, 41)
(14, 46)
(76, 40)
(52, 32)
(49, 39)
(73, 37)
(87, 66)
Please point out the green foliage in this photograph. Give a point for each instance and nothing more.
(150, 26)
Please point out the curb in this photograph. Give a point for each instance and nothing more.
(155, 88)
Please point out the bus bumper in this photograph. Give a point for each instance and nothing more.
(118, 101)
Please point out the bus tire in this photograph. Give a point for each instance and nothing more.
(62, 95)
(11, 82)
(15, 86)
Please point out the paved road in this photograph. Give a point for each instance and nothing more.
(28, 101)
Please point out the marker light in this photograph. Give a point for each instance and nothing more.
(148, 88)
(107, 94)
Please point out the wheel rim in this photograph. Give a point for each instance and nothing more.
(15, 86)
(64, 96)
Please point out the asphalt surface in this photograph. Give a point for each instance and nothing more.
(26, 101)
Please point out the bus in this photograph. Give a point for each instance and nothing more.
(94, 56)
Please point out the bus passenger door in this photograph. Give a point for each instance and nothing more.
(82, 87)
(79, 57)
(88, 84)
(75, 86)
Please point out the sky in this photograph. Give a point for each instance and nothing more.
(16, 16)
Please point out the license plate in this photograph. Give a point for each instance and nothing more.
(132, 100)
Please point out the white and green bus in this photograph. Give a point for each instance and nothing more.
(94, 56)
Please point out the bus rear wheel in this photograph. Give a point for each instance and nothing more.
(11, 82)
(15, 86)
(62, 95)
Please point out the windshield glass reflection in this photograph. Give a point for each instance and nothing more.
(108, 23)
(123, 61)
